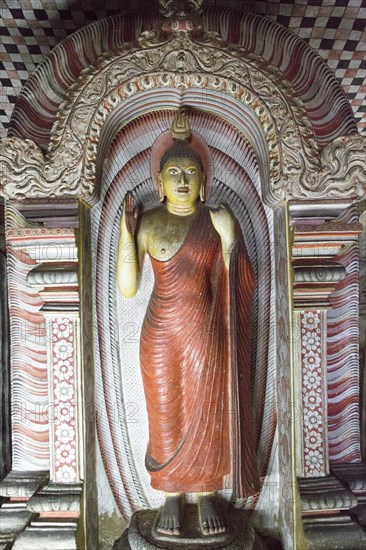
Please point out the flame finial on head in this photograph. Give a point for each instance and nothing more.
(181, 128)
(181, 133)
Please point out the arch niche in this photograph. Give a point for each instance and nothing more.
(286, 156)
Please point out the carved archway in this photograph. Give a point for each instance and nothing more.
(298, 166)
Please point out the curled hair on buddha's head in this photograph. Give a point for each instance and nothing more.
(181, 133)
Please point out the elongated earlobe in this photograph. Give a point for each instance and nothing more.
(160, 187)
(202, 190)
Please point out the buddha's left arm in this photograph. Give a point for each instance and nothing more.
(224, 223)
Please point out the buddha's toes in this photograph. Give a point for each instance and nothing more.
(169, 519)
(209, 514)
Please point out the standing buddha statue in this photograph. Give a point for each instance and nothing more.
(195, 339)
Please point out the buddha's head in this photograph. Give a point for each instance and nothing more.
(181, 178)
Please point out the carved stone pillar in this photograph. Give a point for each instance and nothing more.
(316, 254)
(46, 265)
(317, 250)
(312, 287)
(61, 311)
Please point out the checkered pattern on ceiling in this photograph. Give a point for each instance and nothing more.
(29, 29)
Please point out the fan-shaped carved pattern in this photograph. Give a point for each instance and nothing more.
(128, 166)
(275, 44)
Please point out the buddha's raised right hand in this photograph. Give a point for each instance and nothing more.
(131, 212)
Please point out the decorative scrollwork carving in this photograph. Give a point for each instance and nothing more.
(328, 273)
(182, 16)
(183, 60)
(343, 170)
(53, 277)
(26, 172)
(180, 8)
(331, 494)
(220, 85)
(22, 166)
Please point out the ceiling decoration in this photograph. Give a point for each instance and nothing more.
(29, 29)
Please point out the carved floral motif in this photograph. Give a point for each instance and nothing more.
(312, 397)
(63, 394)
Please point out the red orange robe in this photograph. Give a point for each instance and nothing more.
(195, 361)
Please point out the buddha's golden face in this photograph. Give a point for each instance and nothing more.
(181, 179)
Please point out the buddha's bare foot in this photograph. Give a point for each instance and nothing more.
(169, 518)
(209, 515)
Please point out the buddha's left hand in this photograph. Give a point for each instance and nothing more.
(224, 223)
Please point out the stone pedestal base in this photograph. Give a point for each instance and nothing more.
(239, 534)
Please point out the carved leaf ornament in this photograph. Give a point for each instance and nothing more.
(292, 165)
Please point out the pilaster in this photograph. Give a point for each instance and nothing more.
(46, 261)
(322, 233)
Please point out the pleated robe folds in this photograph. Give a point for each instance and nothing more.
(195, 360)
